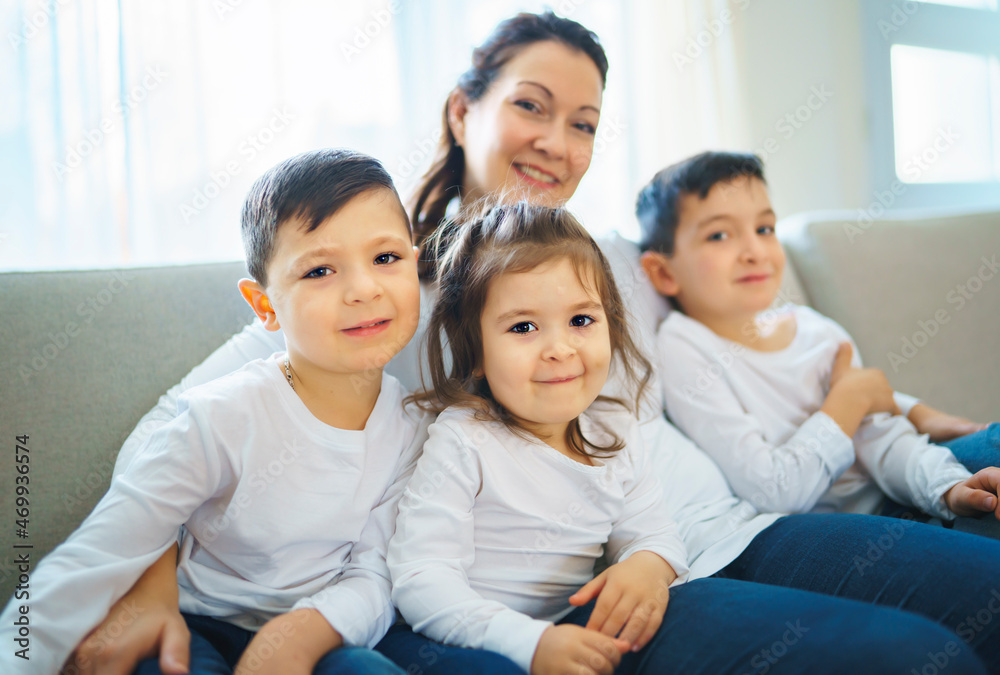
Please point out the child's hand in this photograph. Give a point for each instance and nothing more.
(870, 383)
(976, 495)
(941, 426)
(631, 598)
(144, 623)
(289, 644)
(571, 649)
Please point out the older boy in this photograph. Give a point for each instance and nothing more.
(775, 396)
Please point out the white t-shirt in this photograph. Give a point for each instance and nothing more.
(496, 531)
(280, 511)
(758, 415)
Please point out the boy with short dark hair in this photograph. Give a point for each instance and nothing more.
(778, 397)
(279, 482)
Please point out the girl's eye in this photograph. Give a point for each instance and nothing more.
(718, 236)
(318, 273)
(530, 106)
(765, 229)
(586, 128)
(523, 327)
(581, 321)
(386, 258)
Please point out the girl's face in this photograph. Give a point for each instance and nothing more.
(531, 135)
(546, 345)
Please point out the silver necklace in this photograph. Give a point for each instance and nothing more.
(288, 373)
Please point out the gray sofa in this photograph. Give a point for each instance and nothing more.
(84, 354)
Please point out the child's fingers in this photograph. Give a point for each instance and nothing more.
(841, 361)
(606, 602)
(589, 590)
(175, 648)
(645, 613)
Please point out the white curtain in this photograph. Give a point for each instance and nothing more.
(130, 131)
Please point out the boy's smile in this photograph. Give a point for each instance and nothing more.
(727, 263)
(546, 347)
(346, 295)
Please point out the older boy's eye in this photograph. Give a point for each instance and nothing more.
(581, 321)
(386, 258)
(318, 273)
(523, 327)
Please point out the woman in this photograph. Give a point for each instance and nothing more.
(522, 121)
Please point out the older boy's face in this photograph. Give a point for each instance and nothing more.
(346, 294)
(727, 262)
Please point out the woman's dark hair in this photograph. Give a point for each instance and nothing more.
(443, 180)
(486, 241)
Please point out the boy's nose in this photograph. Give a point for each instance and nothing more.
(362, 287)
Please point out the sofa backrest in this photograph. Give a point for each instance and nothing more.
(84, 354)
(919, 293)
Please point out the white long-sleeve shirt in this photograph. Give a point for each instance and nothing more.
(758, 415)
(496, 531)
(274, 509)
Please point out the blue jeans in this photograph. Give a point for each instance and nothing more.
(419, 655)
(216, 648)
(727, 626)
(949, 577)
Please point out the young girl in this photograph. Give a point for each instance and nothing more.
(529, 477)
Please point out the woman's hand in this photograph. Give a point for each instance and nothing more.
(941, 426)
(289, 644)
(977, 495)
(144, 623)
(572, 650)
(631, 598)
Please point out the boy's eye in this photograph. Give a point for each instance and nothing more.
(523, 327)
(718, 236)
(318, 273)
(581, 321)
(765, 229)
(386, 258)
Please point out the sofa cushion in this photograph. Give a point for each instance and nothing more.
(919, 293)
(84, 355)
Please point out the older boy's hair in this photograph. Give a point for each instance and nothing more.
(312, 186)
(486, 240)
(658, 202)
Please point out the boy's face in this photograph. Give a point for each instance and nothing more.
(727, 262)
(346, 294)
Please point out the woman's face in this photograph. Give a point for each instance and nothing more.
(531, 135)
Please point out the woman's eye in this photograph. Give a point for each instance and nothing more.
(318, 273)
(530, 106)
(581, 320)
(386, 258)
(523, 327)
(586, 127)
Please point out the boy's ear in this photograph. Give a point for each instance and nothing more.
(657, 269)
(458, 106)
(257, 298)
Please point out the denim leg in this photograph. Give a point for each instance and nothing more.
(216, 646)
(356, 661)
(419, 655)
(728, 626)
(979, 450)
(949, 577)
